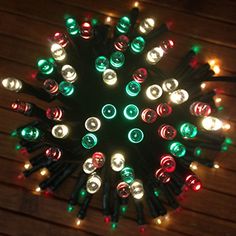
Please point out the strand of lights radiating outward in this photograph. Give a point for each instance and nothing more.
(113, 141)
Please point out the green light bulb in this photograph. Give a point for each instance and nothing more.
(137, 44)
(114, 225)
(70, 208)
(127, 175)
(89, 141)
(197, 151)
(101, 63)
(14, 133)
(228, 141)
(66, 88)
(117, 59)
(196, 48)
(72, 26)
(83, 193)
(18, 147)
(177, 149)
(188, 130)
(45, 66)
(108, 111)
(133, 88)
(124, 209)
(123, 25)
(131, 112)
(30, 133)
(157, 192)
(135, 135)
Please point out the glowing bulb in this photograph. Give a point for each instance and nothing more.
(89, 141)
(86, 30)
(22, 107)
(117, 162)
(159, 221)
(117, 59)
(44, 172)
(133, 88)
(30, 133)
(211, 123)
(137, 45)
(53, 153)
(162, 175)
(167, 163)
(226, 126)
(149, 116)
(68, 73)
(177, 149)
(108, 20)
(123, 189)
(66, 88)
(93, 184)
(203, 85)
(121, 43)
(60, 131)
(61, 39)
(123, 25)
(45, 66)
(98, 159)
(167, 132)
(101, 63)
(72, 26)
(170, 85)
(108, 111)
(164, 109)
(136, 189)
(109, 77)
(135, 135)
(214, 66)
(218, 100)
(127, 175)
(154, 92)
(27, 166)
(92, 124)
(200, 109)
(58, 52)
(12, 84)
(146, 25)
(131, 112)
(88, 166)
(154, 55)
(37, 189)
(78, 222)
(55, 113)
(51, 86)
(193, 182)
(136, 4)
(179, 96)
(140, 75)
(216, 165)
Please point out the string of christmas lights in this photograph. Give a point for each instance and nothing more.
(124, 127)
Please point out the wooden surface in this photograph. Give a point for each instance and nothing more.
(24, 28)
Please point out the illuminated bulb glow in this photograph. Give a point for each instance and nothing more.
(54, 113)
(135, 135)
(121, 43)
(177, 149)
(93, 184)
(203, 85)
(162, 175)
(154, 92)
(170, 85)
(117, 162)
(127, 175)
(200, 109)
(44, 172)
(12, 84)
(78, 222)
(109, 77)
(216, 166)
(164, 109)
(136, 189)
(101, 64)
(146, 25)
(38, 189)
(108, 20)
(140, 75)
(88, 166)
(211, 123)
(193, 182)
(148, 115)
(168, 164)
(68, 73)
(51, 86)
(53, 153)
(123, 25)
(58, 52)
(117, 59)
(179, 96)
(154, 55)
(61, 39)
(133, 88)
(218, 100)
(123, 189)
(137, 45)
(136, 4)
(60, 131)
(214, 66)
(89, 141)
(86, 30)
(30, 133)
(45, 66)
(92, 124)
(226, 126)
(72, 26)
(22, 107)
(167, 132)
(66, 88)
(131, 112)
(188, 130)
(27, 166)
(98, 159)
(193, 166)
(109, 111)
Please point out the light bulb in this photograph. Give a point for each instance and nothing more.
(162, 175)
(167, 132)
(66, 88)
(88, 166)
(78, 222)
(226, 126)
(117, 59)
(170, 85)
(214, 66)
(137, 45)
(203, 85)
(131, 112)
(44, 172)
(200, 109)
(27, 166)
(101, 63)
(89, 141)
(154, 92)
(136, 4)
(55, 113)
(117, 162)
(51, 86)
(12, 84)
(133, 88)
(68, 73)
(123, 25)
(109, 77)
(121, 43)
(136, 189)
(58, 52)
(94, 183)
(154, 55)
(86, 30)
(140, 75)
(72, 26)
(22, 107)
(149, 116)
(45, 66)
(92, 124)
(218, 100)
(123, 189)
(109, 111)
(216, 165)
(211, 123)
(53, 153)
(177, 149)
(127, 175)
(135, 135)
(188, 130)
(193, 182)
(60, 131)
(38, 189)
(179, 96)
(164, 109)
(193, 166)
(30, 133)
(168, 163)
(108, 20)
(98, 159)
(146, 25)
(61, 39)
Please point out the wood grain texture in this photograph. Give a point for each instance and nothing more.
(24, 29)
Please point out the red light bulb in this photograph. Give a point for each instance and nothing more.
(200, 109)
(60, 38)
(167, 132)
(140, 75)
(86, 30)
(53, 153)
(123, 189)
(148, 115)
(107, 219)
(21, 107)
(55, 113)
(167, 162)
(51, 86)
(98, 159)
(162, 176)
(121, 43)
(193, 182)
(164, 109)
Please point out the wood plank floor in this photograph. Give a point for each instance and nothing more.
(24, 29)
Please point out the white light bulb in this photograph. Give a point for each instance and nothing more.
(88, 166)
(153, 92)
(203, 85)
(109, 77)
(68, 73)
(170, 85)
(218, 100)
(146, 25)
(117, 162)
(92, 124)
(93, 184)
(154, 55)
(60, 131)
(211, 123)
(136, 189)
(179, 96)
(58, 52)
(12, 84)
